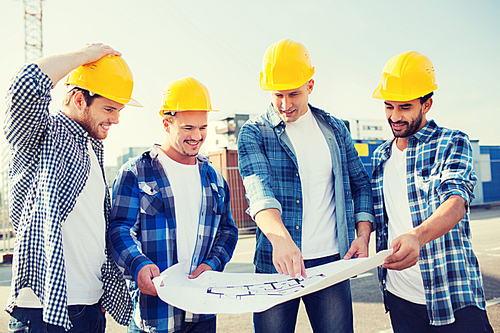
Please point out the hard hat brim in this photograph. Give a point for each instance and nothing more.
(161, 112)
(378, 94)
(133, 102)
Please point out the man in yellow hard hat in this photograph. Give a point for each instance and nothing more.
(63, 277)
(171, 206)
(423, 182)
(307, 189)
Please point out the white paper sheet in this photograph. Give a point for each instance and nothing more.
(215, 292)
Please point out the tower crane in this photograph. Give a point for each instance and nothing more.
(33, 44)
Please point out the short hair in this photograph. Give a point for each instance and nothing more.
(169, 116)
(425, 98)
(89, 99)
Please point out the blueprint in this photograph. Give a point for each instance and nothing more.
(216, 292)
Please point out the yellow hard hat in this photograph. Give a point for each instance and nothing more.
(286, 65)
(405, 77)
(186, 94)
(109, 77)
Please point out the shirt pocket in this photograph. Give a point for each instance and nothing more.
(151, 202)
(428, 179)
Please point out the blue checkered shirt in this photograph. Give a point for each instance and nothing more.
(439, 164)
(143, 230)
(48, 169)
(269, 168)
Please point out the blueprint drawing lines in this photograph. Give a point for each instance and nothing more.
(276, 288)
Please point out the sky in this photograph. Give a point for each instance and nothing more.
(221, 43)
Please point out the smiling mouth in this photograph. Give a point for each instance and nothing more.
(287, 111)
(193, 143)
(105, 127)
(398, 126)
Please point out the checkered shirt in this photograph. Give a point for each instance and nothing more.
(48, 169)
(270, 172)
(143, 231)
(439, 164)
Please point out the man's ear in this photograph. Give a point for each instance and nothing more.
(166, 125)
(310, 85)
(427, 106)
(78, 100)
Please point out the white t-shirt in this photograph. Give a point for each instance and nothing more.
(408, 283)
(186, 186)
(83, 235)
(319, 224)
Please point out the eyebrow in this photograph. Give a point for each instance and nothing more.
(112, 107)
(402, 105)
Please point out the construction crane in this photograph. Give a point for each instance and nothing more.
(33, 44)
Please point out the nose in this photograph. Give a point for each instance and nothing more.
(286, 103)
(196, 134)
(396, 115)
(115, 117)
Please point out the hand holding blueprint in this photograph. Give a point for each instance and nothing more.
(216, 292)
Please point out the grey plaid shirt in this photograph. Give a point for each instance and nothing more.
(48, 170)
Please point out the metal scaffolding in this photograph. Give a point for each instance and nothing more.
(33, 44)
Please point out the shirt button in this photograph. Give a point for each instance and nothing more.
(297, 174)
(298, 201)
(85, 134)
(278, 131)
(297, 227)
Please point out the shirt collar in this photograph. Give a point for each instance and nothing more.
(426, 132)
(77, 130)
(274, 117)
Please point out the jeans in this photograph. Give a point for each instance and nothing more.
(206, 326)
(329, 310)
(409, 317)
(85, 319)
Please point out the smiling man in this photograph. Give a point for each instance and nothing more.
(423, 182)
(62, 274)
(171, 206)
(307, 189)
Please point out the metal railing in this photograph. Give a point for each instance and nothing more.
(7, 234)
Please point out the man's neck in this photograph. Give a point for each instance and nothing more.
(402, 143)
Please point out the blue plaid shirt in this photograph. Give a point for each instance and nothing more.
(143, 230)
(269, 168)
(48, 169)
(439, 164)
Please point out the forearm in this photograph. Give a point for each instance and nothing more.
(270, 223)
(223, 247)
(59, 65)
(441, 221)
(125, 251)
(363, 230)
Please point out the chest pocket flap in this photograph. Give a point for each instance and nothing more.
(150, 198)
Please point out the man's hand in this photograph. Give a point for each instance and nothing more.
(145, 279)
(287, 258)
(359, 247)
(406, 249)
(200, 269)
(96, 51)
